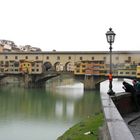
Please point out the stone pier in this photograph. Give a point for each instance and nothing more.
(89, 83)
(92, 82)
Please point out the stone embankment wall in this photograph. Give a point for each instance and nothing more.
(115, 127)
(12, 80)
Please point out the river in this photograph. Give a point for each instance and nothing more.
(44, 114)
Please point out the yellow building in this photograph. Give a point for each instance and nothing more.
(138, 71)
(80, 67)
(31, 67)
(22, 66)
(25, 66)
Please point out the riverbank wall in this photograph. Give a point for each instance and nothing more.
(15, 80)
(114, 107)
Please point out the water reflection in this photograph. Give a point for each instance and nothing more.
(74, 91)
(36, 114)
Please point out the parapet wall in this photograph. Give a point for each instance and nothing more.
(124, 103)
(115, 127)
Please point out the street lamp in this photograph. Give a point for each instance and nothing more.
(110, 35)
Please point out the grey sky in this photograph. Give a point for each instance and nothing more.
(71, 24)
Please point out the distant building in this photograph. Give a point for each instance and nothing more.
(28, 48)
(7, 42)
(10, 46)
(7, 46)
(1, 48)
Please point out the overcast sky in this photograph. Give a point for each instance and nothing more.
(71, 25)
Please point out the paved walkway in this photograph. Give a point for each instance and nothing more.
(133, 122)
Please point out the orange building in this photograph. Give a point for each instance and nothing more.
(96, 67)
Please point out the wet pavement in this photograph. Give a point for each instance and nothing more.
(133, 122)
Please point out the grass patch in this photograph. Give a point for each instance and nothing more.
(81, 130)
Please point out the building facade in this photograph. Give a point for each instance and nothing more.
(65, 61)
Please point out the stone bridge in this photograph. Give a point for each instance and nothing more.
(28, 80)
(38, 80)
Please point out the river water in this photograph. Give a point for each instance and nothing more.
(44, 114)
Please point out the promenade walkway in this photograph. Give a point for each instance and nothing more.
(133, 122)
(116, 127)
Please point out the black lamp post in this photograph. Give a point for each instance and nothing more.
(110, 35)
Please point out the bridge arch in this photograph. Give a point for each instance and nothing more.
(58, 66)
(47, 65)
(69, 66)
